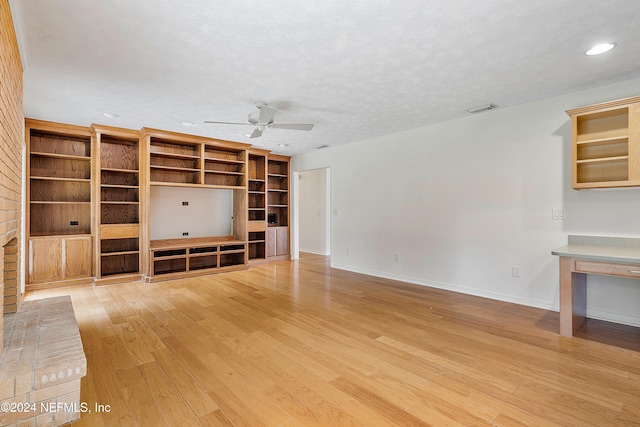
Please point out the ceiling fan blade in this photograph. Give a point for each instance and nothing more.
(266, 114)
(228, 123)
(256, 133)
(292, 126)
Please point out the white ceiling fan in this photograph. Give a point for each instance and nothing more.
(264, 118)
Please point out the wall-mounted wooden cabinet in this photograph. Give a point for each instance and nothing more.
(606, 144)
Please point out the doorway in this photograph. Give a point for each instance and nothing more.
(312, 212)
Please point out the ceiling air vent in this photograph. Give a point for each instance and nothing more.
(482, 109)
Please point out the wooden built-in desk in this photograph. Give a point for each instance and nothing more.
(609, 256)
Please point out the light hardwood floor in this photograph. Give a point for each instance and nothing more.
(297, 343)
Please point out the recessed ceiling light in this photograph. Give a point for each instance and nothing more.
(112, 115)
(187, 123)
(600, 48)
(283, 145)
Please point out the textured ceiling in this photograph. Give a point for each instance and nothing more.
(356, 69)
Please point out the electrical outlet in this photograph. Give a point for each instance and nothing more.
(185, 203)
(397, 257)
(515, 271)
(185, 234)
(557, 213)
(347, 251)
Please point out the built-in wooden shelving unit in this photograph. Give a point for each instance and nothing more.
(58, 225)
(257, 190)
(117, 216)
(277, 207)
(89, 204)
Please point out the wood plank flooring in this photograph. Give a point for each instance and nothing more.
(297, 343)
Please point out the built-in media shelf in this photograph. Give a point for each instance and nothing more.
(194, 256)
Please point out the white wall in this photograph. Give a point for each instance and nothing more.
(209, 212)
(312, 191)
(464, 201)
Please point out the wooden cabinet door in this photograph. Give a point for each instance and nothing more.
(282, 241)
(45, 260)
(77, 257)
(271, 241)
(277, 241)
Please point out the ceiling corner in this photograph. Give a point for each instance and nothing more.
(19, 27)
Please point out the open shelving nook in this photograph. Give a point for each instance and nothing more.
(188, 161)
(117, 215)
(606, 144)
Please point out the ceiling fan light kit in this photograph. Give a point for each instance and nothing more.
(264, 118)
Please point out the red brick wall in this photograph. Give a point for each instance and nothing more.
(11, 128)
(11, 141)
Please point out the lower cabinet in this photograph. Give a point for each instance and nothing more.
(277, 242)
(56, 258)
(172, 258)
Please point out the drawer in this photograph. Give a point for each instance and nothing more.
(607, 268)
(119, 231)
(256, 226)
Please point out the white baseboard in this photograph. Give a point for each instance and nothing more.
(312, 252)
(531, 302)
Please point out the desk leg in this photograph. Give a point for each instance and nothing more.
(573, 298)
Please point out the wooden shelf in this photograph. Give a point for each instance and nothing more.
(120, 170)
(127, 187)
(223, 161)
(113, 202)
(108, 254)
(224, 172)
(60, 156)
(604, 141)
(604, 160)
(174, 168)
(174, 155)
(45, 202)
(52, 178)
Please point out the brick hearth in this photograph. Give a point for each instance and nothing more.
(42, 364)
